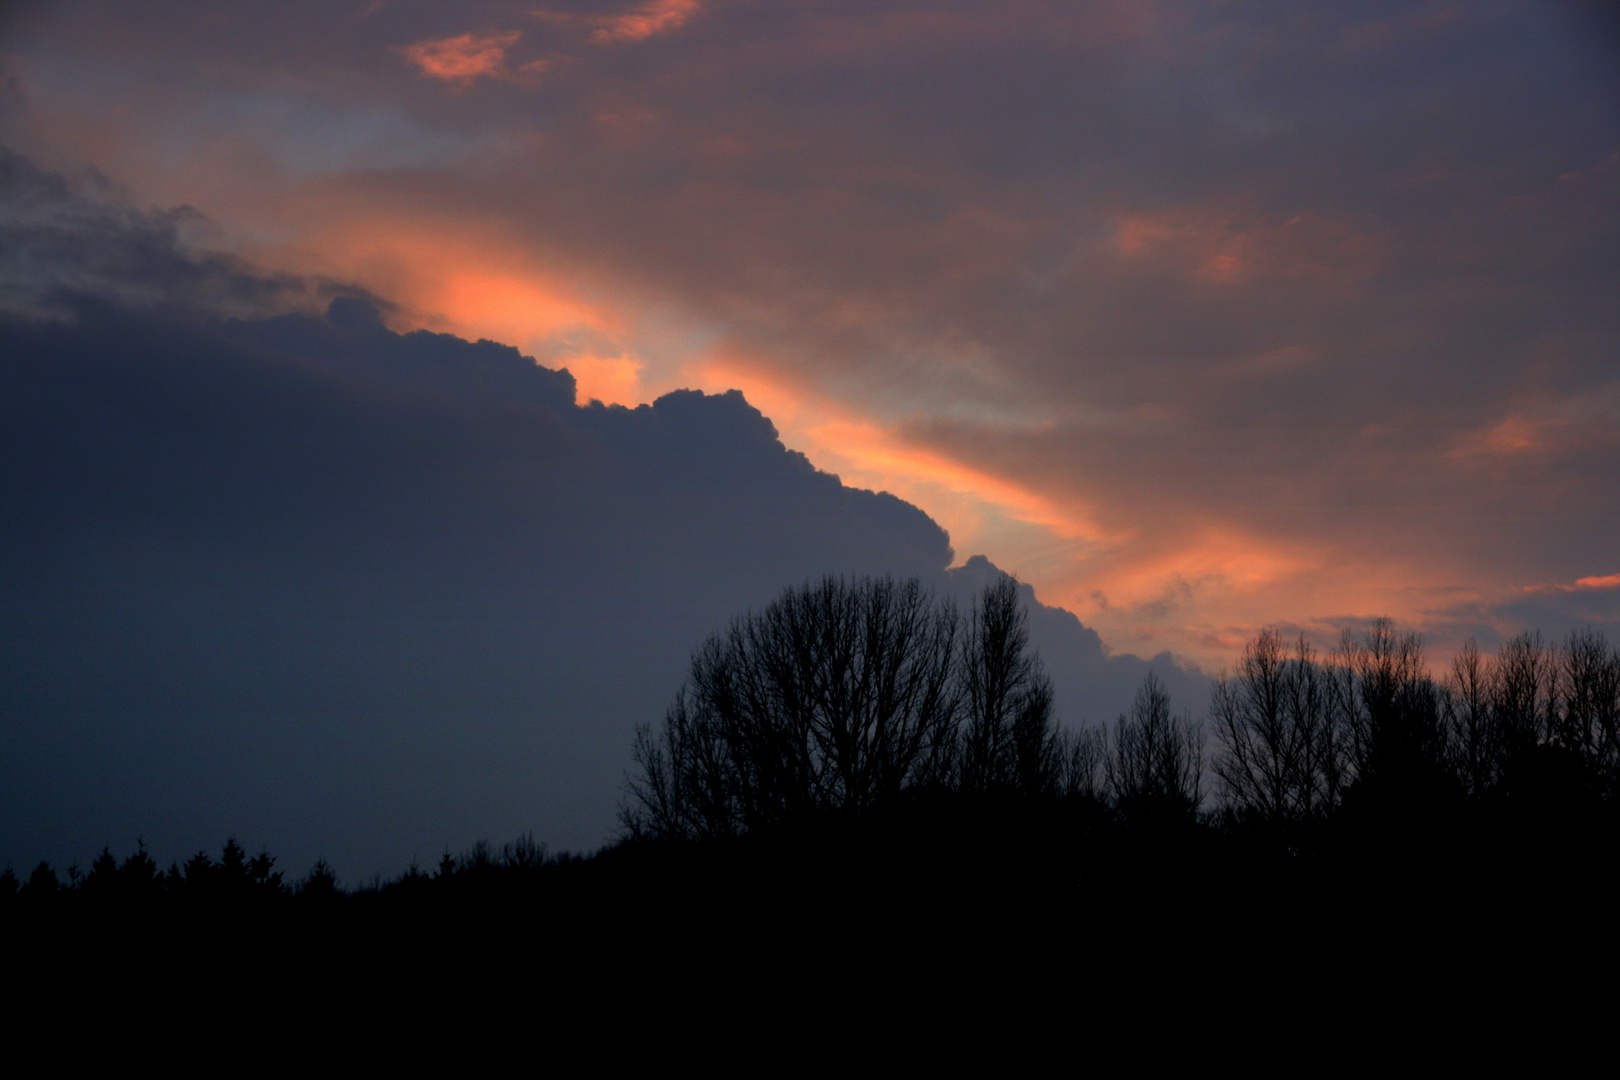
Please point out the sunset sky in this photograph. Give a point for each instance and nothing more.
(1198, 317)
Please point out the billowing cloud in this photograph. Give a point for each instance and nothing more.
(362, 593)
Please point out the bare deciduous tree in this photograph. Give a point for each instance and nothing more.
(1475, 749)
(1590, 717)
(1525, 694)
(1391, 707)
(1083, 753)
(1008, 742)
(1155, 765)
(839, 697)
(1280, 760)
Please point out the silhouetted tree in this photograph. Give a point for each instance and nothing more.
(1589, 722)
(1155, 765)
(478, 861)
(838, 696)
(1281, 750)
(1007, 740)
(1393, 712)
(233, 875)
(199, 874)
(1475, 742)
(139, 875)
(102, 880)
(525, 855)
(266, 878)
(1083, 753)
(321, 884)
(414, 878)
(1526, 692)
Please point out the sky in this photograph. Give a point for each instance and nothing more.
(1197, 317)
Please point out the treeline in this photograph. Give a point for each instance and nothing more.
(845, 698)
(239, 881)
(868, 731)
(1366, 729)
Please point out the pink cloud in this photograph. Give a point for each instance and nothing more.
(1610, 582)
(464, 59)
(647, 20)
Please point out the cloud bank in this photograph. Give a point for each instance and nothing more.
(358, 593)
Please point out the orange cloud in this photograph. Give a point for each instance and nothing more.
(974, 505)
(1186, 582)
(648, 20)
(453, 275)
(1147, 580)
(466, 58)
(1610, 582)
(1211, 553)
(1159, 581)
(506, 304)
(879, 452)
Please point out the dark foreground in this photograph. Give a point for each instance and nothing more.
(984, 904)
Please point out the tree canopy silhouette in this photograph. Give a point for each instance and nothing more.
(841, 696)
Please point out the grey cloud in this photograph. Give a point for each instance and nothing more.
(60, 240)
(252, 590)
(350, 592)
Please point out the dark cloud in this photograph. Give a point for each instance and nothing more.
(434, 590)
(357, 593)
(61, 241)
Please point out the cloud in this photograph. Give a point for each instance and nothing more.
(1200, 317)
(60, 241)
(464, 59)
(1554, 610)
(647, 20)
(349, 591)
(407, 569)
(1612, 581)
(1609, 581)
